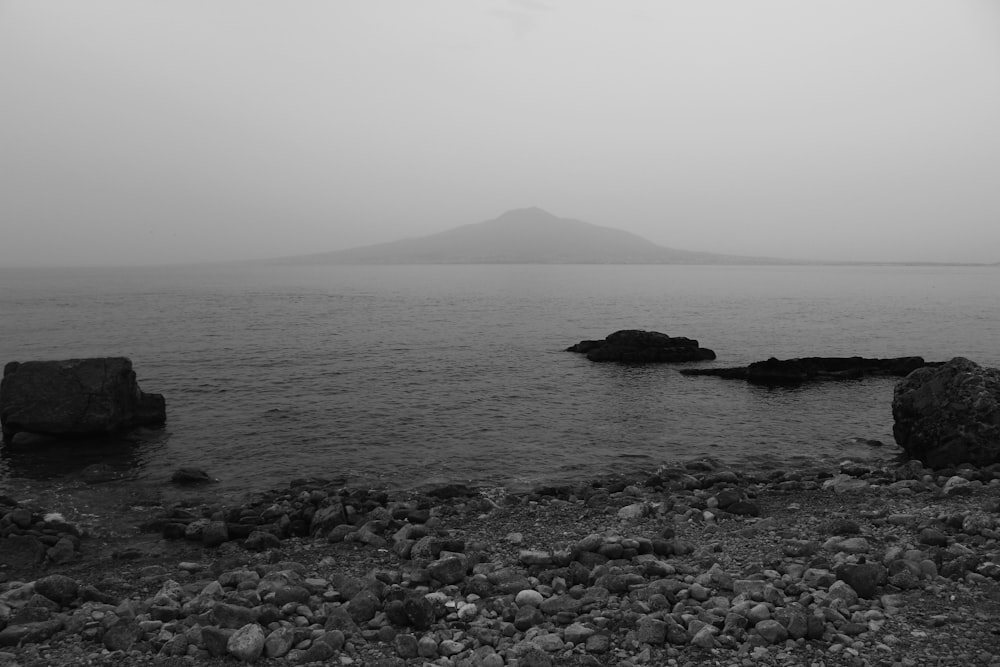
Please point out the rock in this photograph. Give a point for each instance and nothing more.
(75, 397)
(190, 477)
(957, 486)
(214, 534)
(260, 540)
(864, 578)
(279, 642)
(58, 588)
(21, 552)
(806, 369)
(29, 633)
(949, 415)
(772, 631)
(635, 346)
(933, 537)
(122, 635)
(247, 643)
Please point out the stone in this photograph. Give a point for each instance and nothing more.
(363, 606)
(528, 597)
(260, 540)
(232, 616)
(841, 590)
(949, 415)
(932, 537)
(279, 642)
(214, 533)
(62, 552)
(122, 635)
(957, 486)
(864, 578)
(406, 646)
(190, 477)
(528, 617)
(420, 612)
(772, 631)
(29, 633)
(636, 346)
(58, 588)
(247, 643)
(75, 397)
(448, 570)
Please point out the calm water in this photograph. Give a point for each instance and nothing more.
(404, 375)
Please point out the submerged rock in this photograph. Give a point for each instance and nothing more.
(75, 397)
(636, 346)
(949, 415)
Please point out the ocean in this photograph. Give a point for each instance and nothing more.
(402, 376)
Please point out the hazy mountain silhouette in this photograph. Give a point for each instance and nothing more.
(526, 236)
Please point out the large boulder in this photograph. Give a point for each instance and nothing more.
(636, 346)
(75, 397)
(949, 415)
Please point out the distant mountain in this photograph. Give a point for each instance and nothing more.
(526, 236)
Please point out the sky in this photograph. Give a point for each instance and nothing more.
(139, 132)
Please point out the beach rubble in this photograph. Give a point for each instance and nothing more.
(693, 564)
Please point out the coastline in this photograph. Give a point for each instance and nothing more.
(696, 565)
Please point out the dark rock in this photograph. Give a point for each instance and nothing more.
(933, 537)
(260, 540)
(58, 588)
(864, 578)
(75, 397)
(190, 477)
(62, 552)
(216, 640)
(122, 635)
(420, 612)
(949, 415)
(636, 346)
(21, 552)
(214, 534)
(29, 633)
(796, 371)
(232, 616)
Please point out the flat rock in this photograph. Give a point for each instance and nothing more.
(637, 346)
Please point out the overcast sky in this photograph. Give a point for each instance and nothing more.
(134, 131)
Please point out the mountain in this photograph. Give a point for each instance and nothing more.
(526, 236)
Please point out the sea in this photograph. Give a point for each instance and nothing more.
(407, 376)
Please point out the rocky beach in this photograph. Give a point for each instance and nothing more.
(693, 565)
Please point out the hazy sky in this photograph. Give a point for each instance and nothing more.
(134, 131)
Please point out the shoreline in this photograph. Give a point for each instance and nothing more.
(701, 564)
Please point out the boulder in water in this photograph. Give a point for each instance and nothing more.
(75, 397)
(949, 415)
(636, 346)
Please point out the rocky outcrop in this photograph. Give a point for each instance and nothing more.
(949, 415)
(636, 346)
(75, 397)
(806, 369)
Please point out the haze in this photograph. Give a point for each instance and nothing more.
(142, 132)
